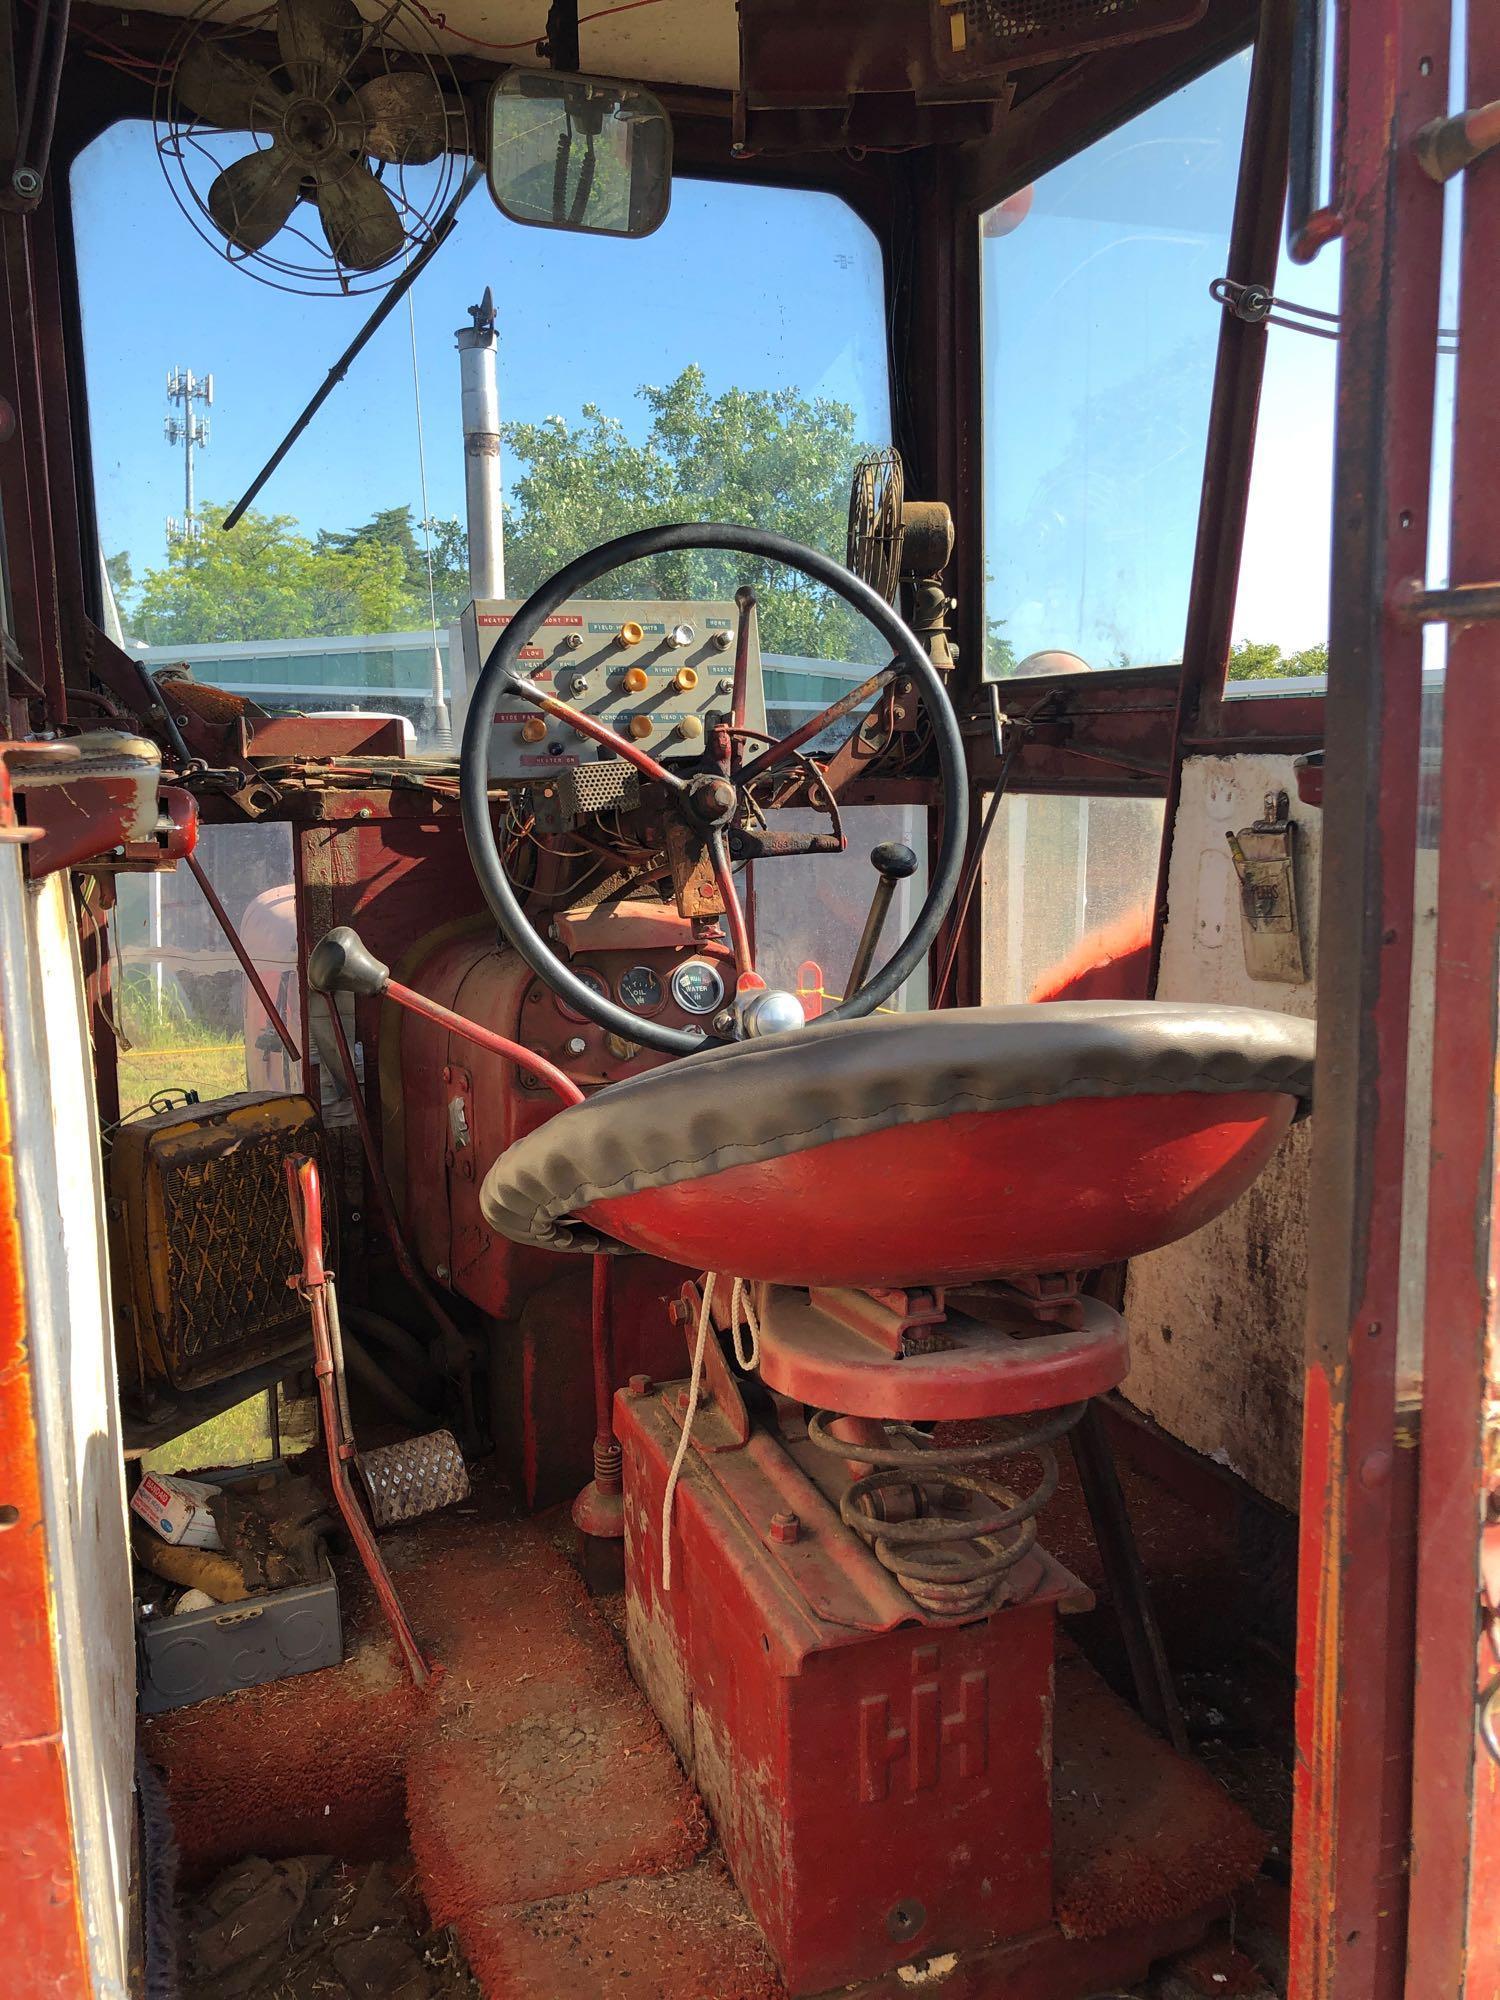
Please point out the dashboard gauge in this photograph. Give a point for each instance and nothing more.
(640, 990)
(698, 987)
(593, 981)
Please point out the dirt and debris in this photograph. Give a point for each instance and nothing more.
(311, 1928)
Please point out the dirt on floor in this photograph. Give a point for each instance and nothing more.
(310, 1928)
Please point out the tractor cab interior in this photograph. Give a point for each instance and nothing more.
(694, 1052)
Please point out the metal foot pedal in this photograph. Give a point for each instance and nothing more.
(415, 1477)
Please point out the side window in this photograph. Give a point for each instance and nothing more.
(1280, 630)
(1099, 343)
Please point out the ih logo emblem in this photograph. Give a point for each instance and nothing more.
(935, 1738)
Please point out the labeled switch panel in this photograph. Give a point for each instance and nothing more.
(658, 674)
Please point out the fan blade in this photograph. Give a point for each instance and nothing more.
(318, 41)
(405, 120)
(359, 217)
(221, 87)
(252, 199)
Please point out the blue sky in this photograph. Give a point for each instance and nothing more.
(764, 288)
(1099, 343)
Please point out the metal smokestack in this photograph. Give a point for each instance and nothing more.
(477, 349)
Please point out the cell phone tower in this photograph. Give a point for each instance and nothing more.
(190, 431)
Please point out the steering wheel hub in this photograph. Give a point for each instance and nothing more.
(712, 799)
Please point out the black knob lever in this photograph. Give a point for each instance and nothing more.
(339, 963)
(893, 861)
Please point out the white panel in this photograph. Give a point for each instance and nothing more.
(50, 1087)
(1216, 1321)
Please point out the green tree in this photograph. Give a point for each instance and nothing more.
(1263, 660)
(266, 580)
(395, 528)
(769, 456)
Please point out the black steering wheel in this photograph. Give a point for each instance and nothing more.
(706, 801)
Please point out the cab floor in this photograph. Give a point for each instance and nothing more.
(550, 1826)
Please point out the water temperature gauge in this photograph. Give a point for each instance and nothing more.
(698, 986)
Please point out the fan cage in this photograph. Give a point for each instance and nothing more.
(193, 153)
(876, 533)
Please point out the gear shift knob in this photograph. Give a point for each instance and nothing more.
(894, 860)
(339, 963)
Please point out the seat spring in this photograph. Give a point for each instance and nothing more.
(950, 1558)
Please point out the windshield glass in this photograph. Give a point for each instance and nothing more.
(731, 366)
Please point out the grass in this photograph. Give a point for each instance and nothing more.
(169, 1048)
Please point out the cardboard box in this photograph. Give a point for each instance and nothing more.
(177, 1509)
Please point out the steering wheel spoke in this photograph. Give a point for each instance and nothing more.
(794, 739)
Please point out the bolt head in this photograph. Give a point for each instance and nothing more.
(640, 1385)
(784, 1528)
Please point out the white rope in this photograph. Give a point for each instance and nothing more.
(695, 1381)
(747, 1354)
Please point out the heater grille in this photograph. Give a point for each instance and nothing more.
(208, 1236)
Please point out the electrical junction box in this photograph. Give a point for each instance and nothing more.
(658, 673)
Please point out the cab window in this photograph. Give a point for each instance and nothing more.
(1098, 354)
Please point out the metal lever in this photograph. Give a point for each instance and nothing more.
(893, 861)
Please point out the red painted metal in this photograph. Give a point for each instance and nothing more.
(985, 1362)
(41, 1915)
(306, 1198)
(876, 1785)
(1453, 1945)
(1356, 1584)
(1054, 1187)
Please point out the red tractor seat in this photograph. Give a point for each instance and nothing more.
(913, 1149)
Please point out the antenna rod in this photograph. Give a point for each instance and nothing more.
(361, 340)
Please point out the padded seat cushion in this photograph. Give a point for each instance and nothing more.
(755, 1101)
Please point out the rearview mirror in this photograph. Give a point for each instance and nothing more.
(579, 152)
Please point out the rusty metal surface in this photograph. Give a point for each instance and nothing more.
(1454, 1937)
(205, 1237)
(1353, 1718)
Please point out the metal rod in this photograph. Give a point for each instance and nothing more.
(825, 719)
(1124, 1574)
(599, 1340)
(869, 937)
(247, 965)
(361, 340)
(734, 915)
(744, 599)
(1457, 604)
(499, 1045)
(304, 1191)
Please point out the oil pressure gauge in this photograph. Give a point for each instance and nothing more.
(698, 986)
(640, 990)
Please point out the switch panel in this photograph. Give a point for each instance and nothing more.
(659, 674)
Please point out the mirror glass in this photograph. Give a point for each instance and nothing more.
(579, 152)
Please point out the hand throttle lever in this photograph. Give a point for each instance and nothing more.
(893, 861)
(340, 963)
